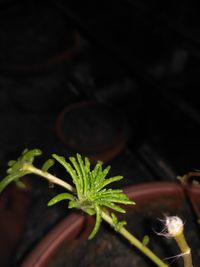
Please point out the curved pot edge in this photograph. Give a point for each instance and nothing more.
(67, 228)
(73, 224)
(139, 192)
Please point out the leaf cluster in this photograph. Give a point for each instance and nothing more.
(91, 195)
(16, 168)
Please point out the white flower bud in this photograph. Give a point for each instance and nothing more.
(174, 225)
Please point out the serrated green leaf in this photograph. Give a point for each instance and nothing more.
(83, 173)
(60, 197)
(80, 183)
(110, 205)
(97, 222)
(29, 155)
(101, 177)
(116, 200)
(76, 179)
(97, 169)
(87, 165)
(9, 179)
(110, 180)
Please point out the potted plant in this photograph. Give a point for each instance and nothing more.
(91, 193)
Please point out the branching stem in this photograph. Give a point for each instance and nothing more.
(48, 176)
(106, 217)
(134, 241)
(185, 249)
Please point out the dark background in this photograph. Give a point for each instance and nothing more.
(138, 58)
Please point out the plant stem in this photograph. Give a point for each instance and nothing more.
(48, 176)
(133, 240)
(185, 249)
(175, 228)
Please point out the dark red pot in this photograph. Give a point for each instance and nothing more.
(170, 198)
(96, 130)
(14, 205)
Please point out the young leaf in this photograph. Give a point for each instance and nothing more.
(76, 179)
(145, 240)
(60, 197)
(97, 223)
(16, 171)
(9, 179)
(47, 165)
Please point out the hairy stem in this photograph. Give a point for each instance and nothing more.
(126, 234)
(175, 228)
(134, 241)
(185, 249)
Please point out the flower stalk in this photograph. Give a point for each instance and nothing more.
(175, 229)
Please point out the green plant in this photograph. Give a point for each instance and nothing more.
(90, 193)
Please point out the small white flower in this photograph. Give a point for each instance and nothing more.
(174, 225)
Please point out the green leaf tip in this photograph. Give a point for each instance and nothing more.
(97, 222)
(60, 197)
(117, 224)
(16, 171)
(145, 240)
(48, 164)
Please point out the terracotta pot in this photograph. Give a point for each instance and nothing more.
(93, 129)
(14, 205)
(67, 244)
